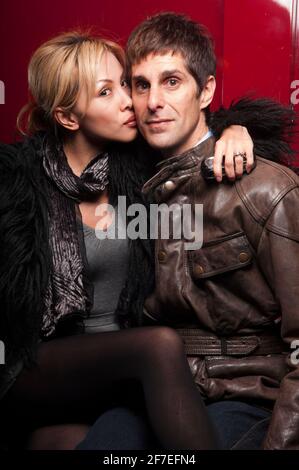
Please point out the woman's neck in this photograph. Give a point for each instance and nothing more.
(79, 152)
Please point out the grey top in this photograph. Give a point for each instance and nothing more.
(107, 264)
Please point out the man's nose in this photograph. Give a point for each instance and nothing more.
(155, 99)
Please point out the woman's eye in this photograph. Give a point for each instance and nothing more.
(105, 92)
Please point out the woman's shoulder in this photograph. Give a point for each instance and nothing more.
(9, 154)
(22, 181)
(10, 168)
(20, 159)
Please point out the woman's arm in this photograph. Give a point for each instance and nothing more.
(269, 124)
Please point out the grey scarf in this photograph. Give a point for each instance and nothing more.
(67, 292)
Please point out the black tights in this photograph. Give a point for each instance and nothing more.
(73, 374)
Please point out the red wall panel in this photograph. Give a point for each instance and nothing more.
(24, 25)
(261, 51)
(257, 42)
(257, 48)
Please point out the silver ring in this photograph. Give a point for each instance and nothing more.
(240, 154)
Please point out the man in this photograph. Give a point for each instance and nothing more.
(233, 298)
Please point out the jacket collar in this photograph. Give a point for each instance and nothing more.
(180, 165)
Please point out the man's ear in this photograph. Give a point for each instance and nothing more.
(66, 119)
(208, 91)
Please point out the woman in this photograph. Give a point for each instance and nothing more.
(58, 281)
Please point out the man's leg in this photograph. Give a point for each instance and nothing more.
(120, 429)
(239, 425)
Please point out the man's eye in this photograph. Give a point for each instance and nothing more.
(172, 81)
(105, 92)
(141, 86)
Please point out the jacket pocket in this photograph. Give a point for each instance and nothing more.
(220, 256)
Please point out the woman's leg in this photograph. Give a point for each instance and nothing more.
(57, 437)
(74, 372)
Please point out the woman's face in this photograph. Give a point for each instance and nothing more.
(109, 115)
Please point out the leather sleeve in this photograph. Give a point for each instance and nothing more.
(278, 253)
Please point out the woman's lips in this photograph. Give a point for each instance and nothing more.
(131, 122)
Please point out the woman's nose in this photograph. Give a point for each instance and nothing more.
(126, 100)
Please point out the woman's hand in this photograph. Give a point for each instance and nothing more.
(234, 144)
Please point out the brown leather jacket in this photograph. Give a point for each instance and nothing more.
(240, 291)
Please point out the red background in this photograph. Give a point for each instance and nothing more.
(257, 42)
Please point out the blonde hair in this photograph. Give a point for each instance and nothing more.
(58, 71)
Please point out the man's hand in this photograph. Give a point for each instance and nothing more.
(235, 140)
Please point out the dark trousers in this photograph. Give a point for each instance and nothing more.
(239, 426)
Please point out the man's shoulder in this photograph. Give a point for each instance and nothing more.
(265, 187)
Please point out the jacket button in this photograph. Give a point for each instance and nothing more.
(198, 270)
(162, 256)
(244, 257)
(169, 185)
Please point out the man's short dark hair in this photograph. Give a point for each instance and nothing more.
(167, 32)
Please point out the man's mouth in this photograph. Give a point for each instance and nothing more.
(158, 123)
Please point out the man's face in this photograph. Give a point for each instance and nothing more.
(168, 107)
